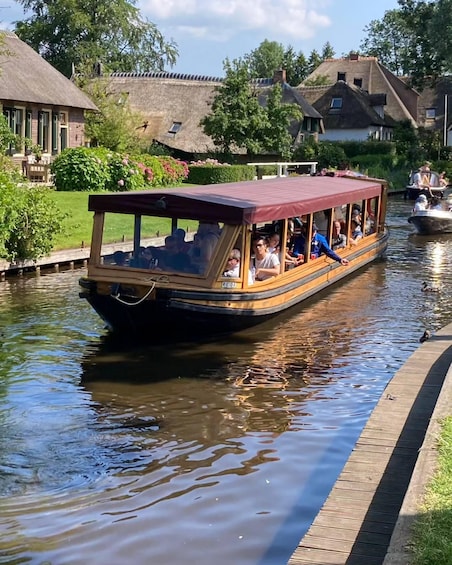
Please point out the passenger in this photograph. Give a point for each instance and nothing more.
(266, 265)
(233, 264)
(184, 246)
(319, 245)
(422, 179)
(273, 243)
(207, 238)
(173, 259)
(443, 180)
(120, 258)
(420, 204)
(435, 204)
(274, 247)
(357, 233)
(339, 240)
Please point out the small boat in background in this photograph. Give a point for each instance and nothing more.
(436, 188)
(433, 221)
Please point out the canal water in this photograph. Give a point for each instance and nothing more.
(219, 452)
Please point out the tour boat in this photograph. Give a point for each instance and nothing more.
(157, 297)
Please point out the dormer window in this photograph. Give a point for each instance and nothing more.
(336, 103)
(341, 76)
(430, 113)
(358, 82)
(175, 127)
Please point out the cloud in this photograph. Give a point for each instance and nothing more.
(223, 19)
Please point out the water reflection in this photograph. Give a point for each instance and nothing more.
(228, 447)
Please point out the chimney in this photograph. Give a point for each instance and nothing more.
(279, 76)
(354, 56)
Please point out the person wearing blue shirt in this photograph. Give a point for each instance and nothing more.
(319, 245)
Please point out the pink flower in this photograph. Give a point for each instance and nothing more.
(120, 182)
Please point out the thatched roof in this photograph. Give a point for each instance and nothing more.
(26, 77)
(166, 99)
(434, 97)
(358, 107)
(374, 78)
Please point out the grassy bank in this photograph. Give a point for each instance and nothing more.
(432, 541)
(79, 222)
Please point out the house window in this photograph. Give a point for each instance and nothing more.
(336, 103)
(430, 113)
(44, 130)
(175, 127)
(358, 82)
(15, 120)
(341, 76)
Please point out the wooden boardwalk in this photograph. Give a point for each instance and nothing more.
(355, 525)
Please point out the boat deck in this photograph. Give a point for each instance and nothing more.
(367, 516)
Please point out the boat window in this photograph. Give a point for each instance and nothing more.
(160, 244)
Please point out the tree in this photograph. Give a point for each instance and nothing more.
(265, 60)
(389, 40)
(296, 66)
(236, 116)
(271, 56)
(115, 126)
(415, 40)
(238, 121)
(80, 34)
(276, 137)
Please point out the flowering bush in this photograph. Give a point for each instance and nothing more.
(125, 174)
(101, 169)
(208, 163)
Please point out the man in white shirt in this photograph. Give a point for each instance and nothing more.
(266, 264)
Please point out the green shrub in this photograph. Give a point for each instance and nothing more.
(355, 148)
(217, 174)
(81, 169)
(29, 220)
(368, 161)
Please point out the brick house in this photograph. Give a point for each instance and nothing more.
(38, 101)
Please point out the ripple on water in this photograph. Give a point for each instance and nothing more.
(218, 452)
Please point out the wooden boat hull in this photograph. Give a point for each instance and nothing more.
(431, 222)
(187, 313)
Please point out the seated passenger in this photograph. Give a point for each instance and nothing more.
(233, 264)
(183, 245)
(173, 259)
(357, 233)
(266, 265)
(443, 180)
(435, 204)
(420, 204)
(339, 239)
(206, 241)
(319, 245)
(273, 243)
(120, 258)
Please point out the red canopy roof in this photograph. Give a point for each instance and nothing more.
(244, 202)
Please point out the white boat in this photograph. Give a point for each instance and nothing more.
(430, 222)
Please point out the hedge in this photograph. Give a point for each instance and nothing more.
(208, 174)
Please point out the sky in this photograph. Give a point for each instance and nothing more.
(209, 31)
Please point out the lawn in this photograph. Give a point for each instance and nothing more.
(79, 222)
(432, 542)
